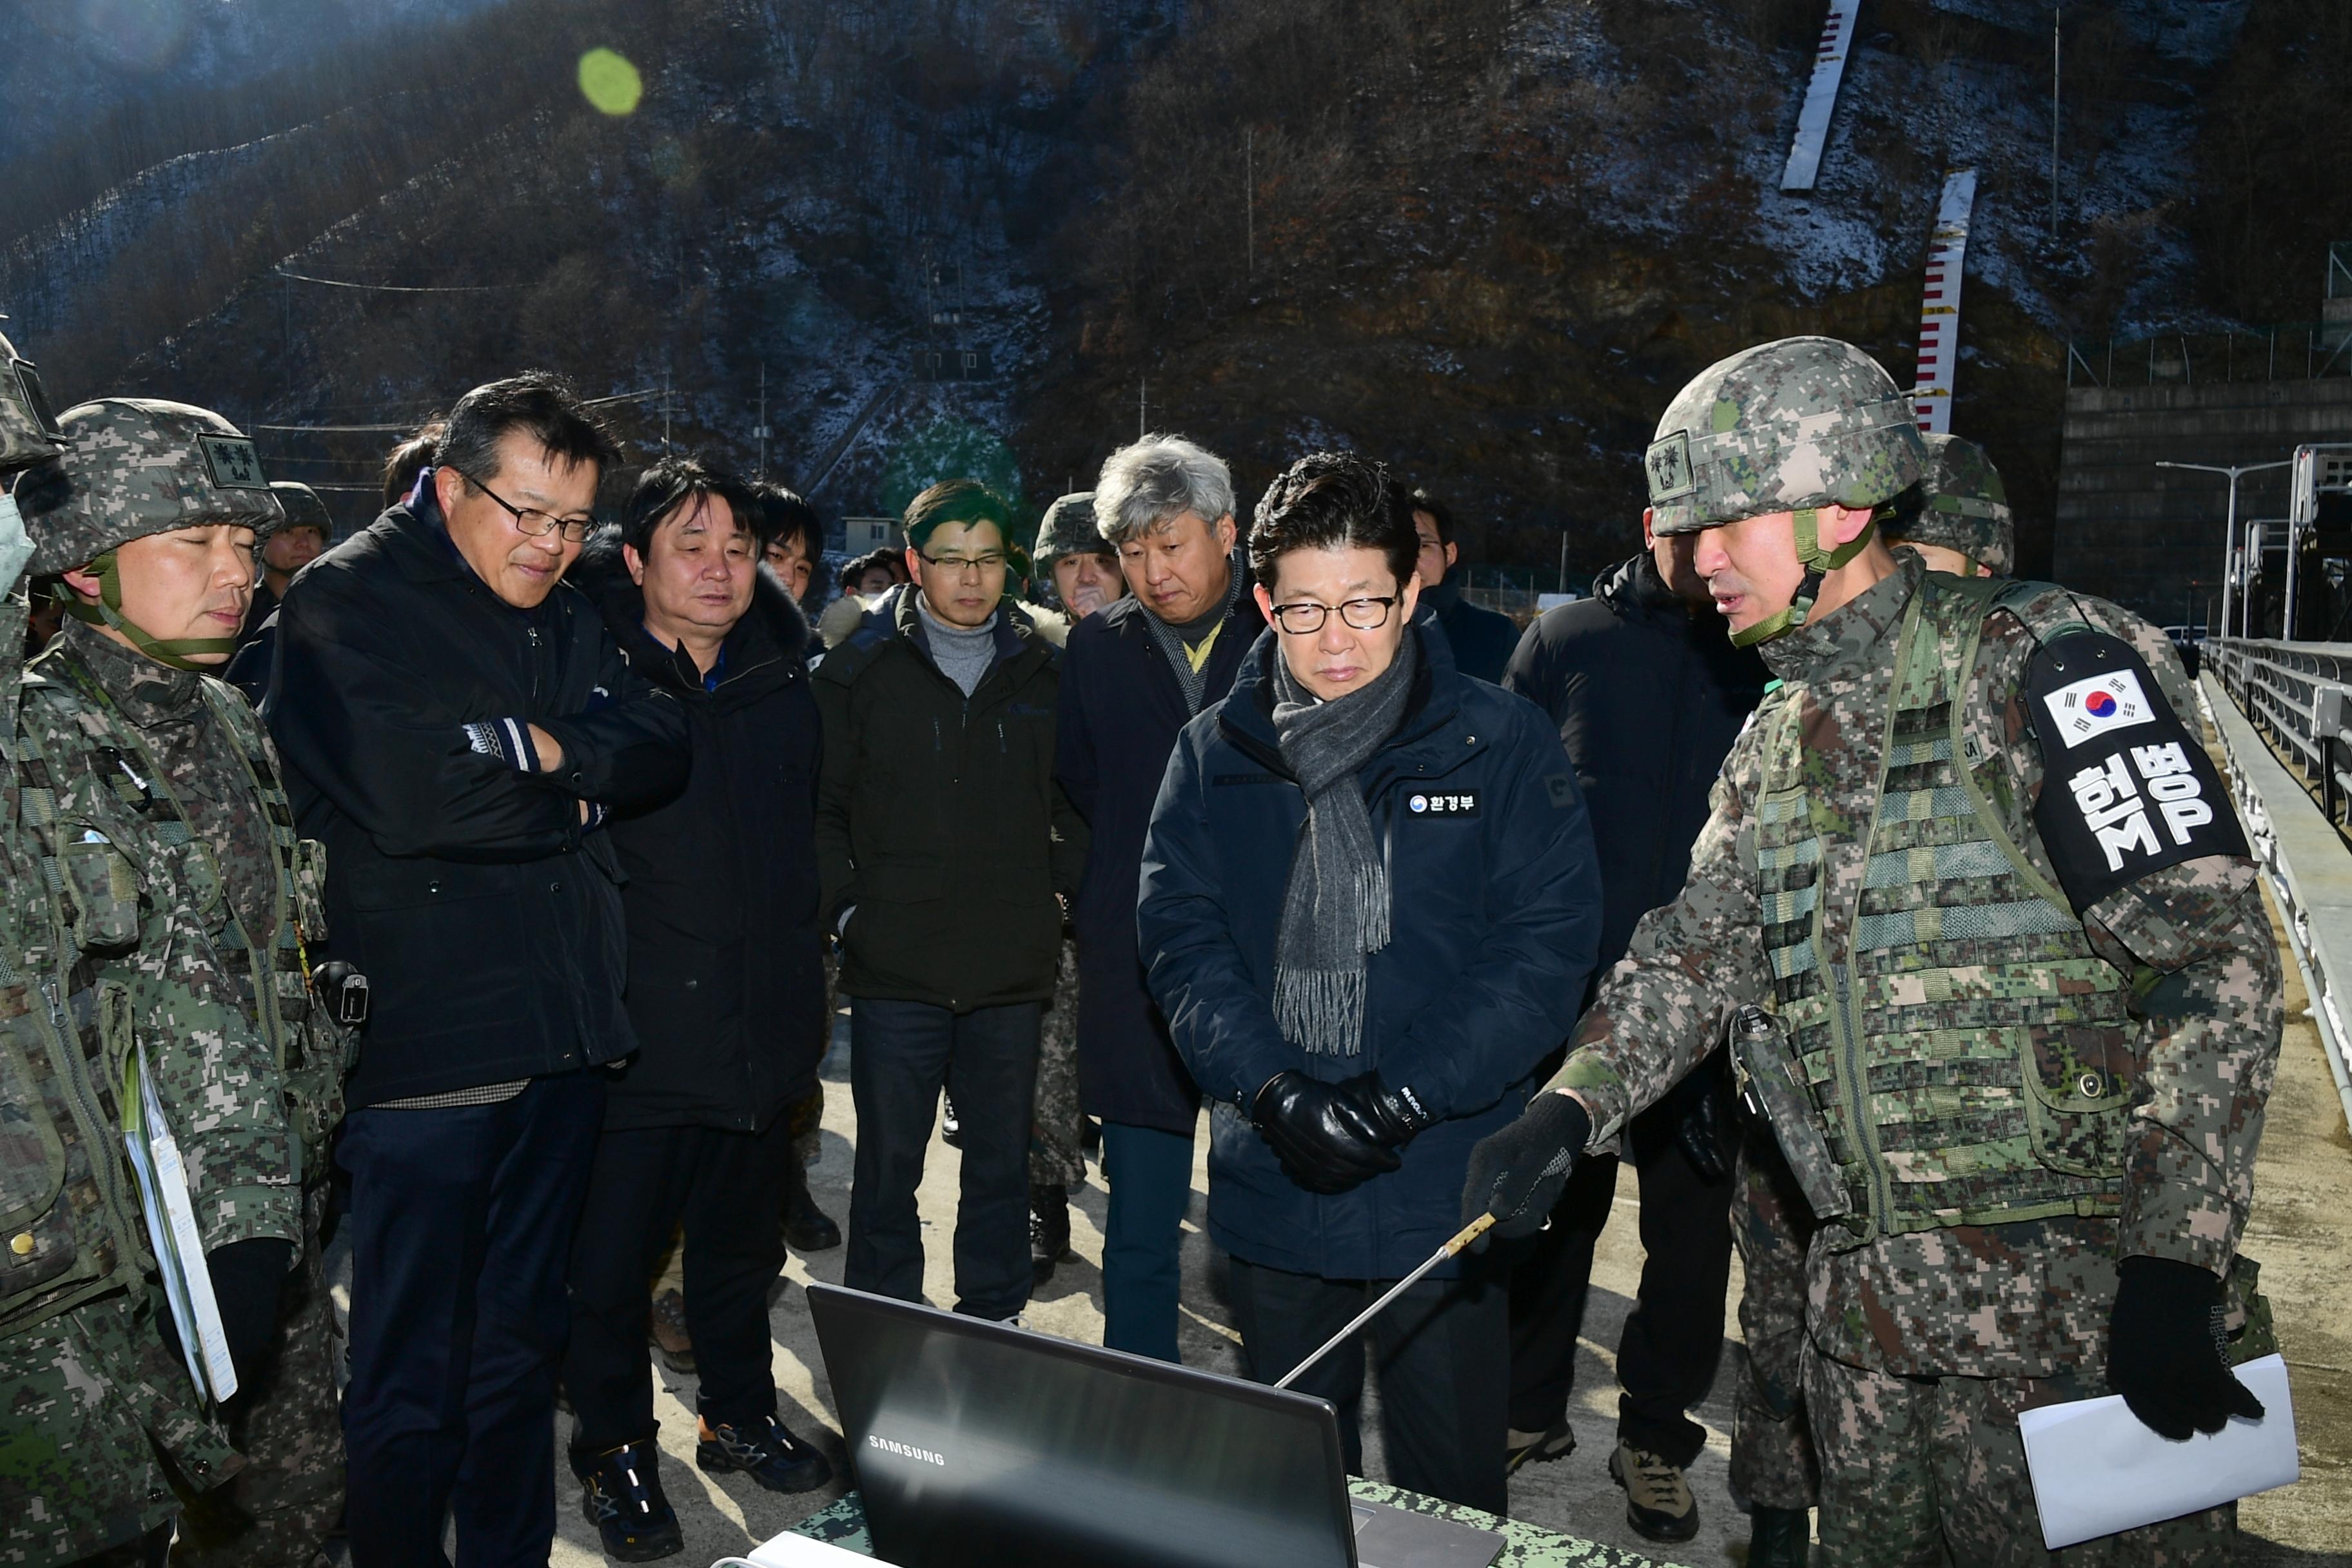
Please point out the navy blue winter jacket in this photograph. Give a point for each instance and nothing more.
(1496, 902)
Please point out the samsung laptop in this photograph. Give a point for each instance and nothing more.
(978, 1443)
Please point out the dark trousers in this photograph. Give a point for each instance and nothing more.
(1445, 1377)
(461, 1225)
(1666, 1355)
(725, 1188)
(900, 1054)
(1150, 1177)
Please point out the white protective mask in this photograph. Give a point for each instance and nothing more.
(15, 544)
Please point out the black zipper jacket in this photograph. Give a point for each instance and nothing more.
(726, 965)
(485, 914)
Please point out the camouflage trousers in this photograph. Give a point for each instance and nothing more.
(1057, 1125)
(1772, 1449)
(279, 1510)
(1919, 1472)
(86, 1400)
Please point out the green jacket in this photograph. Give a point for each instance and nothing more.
(941, 836)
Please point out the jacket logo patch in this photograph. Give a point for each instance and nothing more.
(1563, 788)
(1462, 803)
(2086, 709)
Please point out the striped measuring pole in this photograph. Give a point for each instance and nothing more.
(1820, 96)
(1939, 304)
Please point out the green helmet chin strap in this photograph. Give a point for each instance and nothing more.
(108, 612)
(1818, 562)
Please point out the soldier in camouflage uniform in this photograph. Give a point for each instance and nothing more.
(2015, 1040)
(153, 538)
(1962, 526)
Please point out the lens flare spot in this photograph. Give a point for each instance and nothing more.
(610, 83)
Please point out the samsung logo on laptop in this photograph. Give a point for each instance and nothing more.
(905, 1451)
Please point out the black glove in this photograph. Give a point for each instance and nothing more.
(1325, 1139)
(1398, 1113)
(1516, 1172)
(1703, 1128)
(2165, 1350)
(248, 1278)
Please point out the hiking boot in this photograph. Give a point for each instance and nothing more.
(666, 1330)
(767, 1452)
(808, 1228)
(1658, 1501)
(1049, 1232)
(1778, 1537)
(950, 1125)
(1557, 1441)
(621, 1493)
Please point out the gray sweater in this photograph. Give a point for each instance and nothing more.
(963, 656)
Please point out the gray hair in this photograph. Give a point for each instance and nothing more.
(1158, 478)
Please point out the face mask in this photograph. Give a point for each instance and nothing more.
(15, 544)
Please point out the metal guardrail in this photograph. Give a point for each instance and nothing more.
(2300, 351)
(2301, 694)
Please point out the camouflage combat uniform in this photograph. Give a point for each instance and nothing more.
(2140, 1125)
(208, 766)
(1964, 508)
(1056, 1126)
(158, 779)
(96, 1405)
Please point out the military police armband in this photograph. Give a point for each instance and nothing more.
(2126, 788)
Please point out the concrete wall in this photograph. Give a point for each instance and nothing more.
(2141, 535)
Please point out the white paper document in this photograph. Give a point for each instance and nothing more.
(790, 1551)
(171, 1235)
(2098, 1469)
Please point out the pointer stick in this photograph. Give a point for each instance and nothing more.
(1462, 1238)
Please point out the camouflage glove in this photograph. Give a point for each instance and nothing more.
(1398, 1112)
(2165, 1350)
(1326, 1141)
(1516, 1172)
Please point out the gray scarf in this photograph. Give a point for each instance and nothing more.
(1335, 908)
(1173, 640)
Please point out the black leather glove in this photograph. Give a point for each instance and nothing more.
(248, 1278)
(1703, 1126)
(1398, 1113)
(2165, 1350)
(1325, 1140)
(1516, 1172)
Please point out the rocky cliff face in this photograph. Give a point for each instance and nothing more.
(1485, 239)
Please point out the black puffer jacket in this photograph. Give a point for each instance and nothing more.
(725, 973)
(1649, 694)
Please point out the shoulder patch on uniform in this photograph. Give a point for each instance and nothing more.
(2125, 789)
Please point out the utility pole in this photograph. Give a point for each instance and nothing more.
(1142, 411)
(2057, 45)
(665, 446)
(763, 431)
(1249, 202)
(2230, 534)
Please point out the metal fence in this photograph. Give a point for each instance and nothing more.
(2302, 350)
(2301, 694)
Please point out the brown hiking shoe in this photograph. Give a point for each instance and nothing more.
(667, 1331)
(1658, 1501)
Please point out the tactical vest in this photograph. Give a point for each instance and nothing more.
(309, 1049)
(1967, 1052)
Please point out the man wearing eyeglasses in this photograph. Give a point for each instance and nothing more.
(1368, 905)
(455, 723)
(946, 848)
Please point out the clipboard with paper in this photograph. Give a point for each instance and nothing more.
(172, 1233)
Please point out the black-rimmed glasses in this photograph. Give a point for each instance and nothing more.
(959, 564)
(529, 520)
(1364, 614)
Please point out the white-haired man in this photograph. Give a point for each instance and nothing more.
(1133, 676)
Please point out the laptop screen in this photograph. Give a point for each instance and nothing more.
(978, 1444)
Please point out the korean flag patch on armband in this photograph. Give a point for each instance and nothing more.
(2126, 788)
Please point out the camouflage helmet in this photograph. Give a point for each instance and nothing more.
(1068, 530)
(1964, 507)
(303, 510)
(28, 431)
(135, 466)
(1792, 425)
